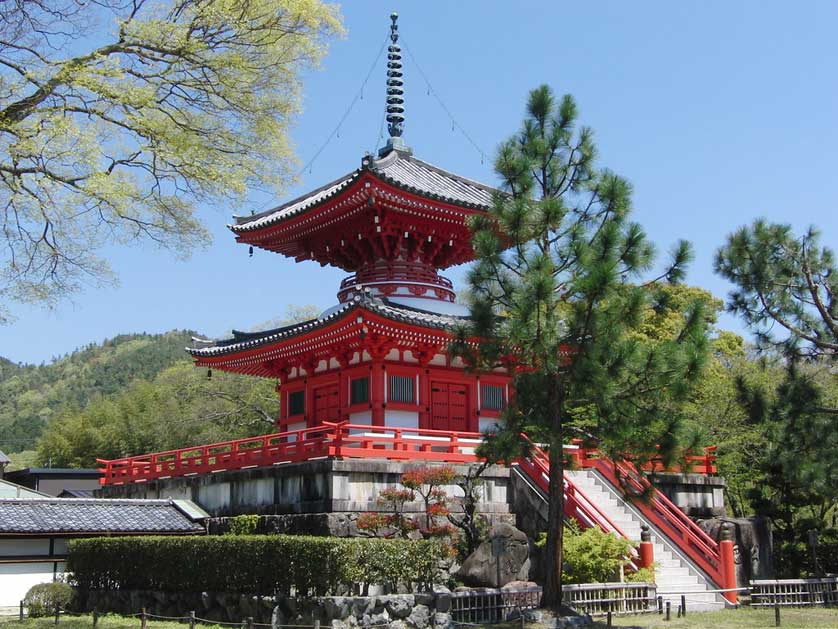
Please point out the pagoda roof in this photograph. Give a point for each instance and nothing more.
(398, 168)
(246, 341)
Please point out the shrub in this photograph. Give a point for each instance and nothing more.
(250, 564)
(593, 556)
(243, 525)
(42, 599)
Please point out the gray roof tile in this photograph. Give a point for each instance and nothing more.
(390, 310)
(397, 168)
(34, 516)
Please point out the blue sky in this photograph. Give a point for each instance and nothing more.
(718, 112)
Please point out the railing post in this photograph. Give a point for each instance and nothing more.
(646, 549)
(727, 565)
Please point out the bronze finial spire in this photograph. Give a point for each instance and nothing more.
(395, 93)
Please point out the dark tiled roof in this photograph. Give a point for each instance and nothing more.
(398, 168)
(43, 516)
(383, 307)
(55, 471)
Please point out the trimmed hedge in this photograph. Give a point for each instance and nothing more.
(252, 564)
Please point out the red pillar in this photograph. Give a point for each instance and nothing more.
(727, 565)
(377, 392)
(646, 550)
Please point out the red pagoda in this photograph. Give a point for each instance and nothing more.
(379, 356)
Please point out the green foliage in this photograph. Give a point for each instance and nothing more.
(783, 283)
(559, 288)
(155, 109)
(593, 556)
(42, 599)
(250, 564)
(245, 524)
(33, 395)
(178, 408)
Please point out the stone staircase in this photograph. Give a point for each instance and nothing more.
(675, 574)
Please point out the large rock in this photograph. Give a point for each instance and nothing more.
(752, 549)
(502, 558)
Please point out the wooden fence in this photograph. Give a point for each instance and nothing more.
(618, 598)
(492, 605)
(794, 592)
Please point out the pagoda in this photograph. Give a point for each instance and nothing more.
(379, 357)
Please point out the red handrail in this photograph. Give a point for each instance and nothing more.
(329, 440)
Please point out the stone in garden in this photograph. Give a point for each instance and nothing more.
(399, 606)
(419, 617)
(502, 558)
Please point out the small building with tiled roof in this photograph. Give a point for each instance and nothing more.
(34, 532)
(54, 480)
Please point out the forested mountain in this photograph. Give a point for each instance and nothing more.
(30, 395)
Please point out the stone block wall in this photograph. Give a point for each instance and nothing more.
(429, 610)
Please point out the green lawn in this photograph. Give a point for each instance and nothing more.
(86, 622)
(745, 617)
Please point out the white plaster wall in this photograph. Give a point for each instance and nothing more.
(17, 578)
(296, 426)
(401, 419)
(489, 424)
(438, 359)
(361, 417)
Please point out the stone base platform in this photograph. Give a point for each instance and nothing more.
(313, 488)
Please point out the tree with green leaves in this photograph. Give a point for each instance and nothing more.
(786, 291)
(119, 118)
(559, 296)
(783, 283)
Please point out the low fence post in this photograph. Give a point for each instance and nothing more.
(57, 613)
(21, 611)
(683, 605)
(646, 549)
(250, 622)
(192, 620)
(143, 619)
(660, 605)
(668, 607)
(776, 615)
(728, 566)
(95, 618)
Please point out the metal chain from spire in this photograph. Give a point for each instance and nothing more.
(395, 84)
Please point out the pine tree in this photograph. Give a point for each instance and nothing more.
(557, 296)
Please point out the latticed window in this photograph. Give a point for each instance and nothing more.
(491, 397)
(359, 390)
(401, 389)
(297, 403)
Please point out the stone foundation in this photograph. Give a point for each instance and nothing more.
(697, 495)
(396, 611)
(313, 487)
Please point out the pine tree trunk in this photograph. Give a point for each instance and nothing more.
(552, 597)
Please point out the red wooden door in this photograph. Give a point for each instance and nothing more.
(449, 406)
(326, 404)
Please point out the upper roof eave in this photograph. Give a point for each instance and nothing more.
(398, 169)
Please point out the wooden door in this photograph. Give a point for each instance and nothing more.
(449, 406)
(326, 404)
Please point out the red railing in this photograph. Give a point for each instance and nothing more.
(576, 504)
(659, 510)
(329, 440)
